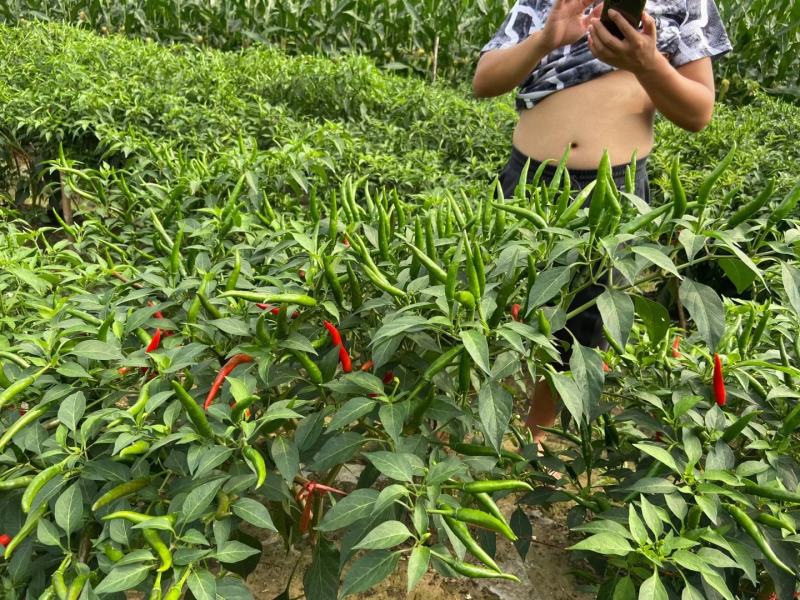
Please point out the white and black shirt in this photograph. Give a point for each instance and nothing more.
(687, 30)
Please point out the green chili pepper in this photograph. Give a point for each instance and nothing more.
(478, 518)
(544, 323)
(791, 422)
(473, 283)
(438, 365)
(464, 369)
(383, 234)
(212, 310)
(77, 585)
(708, 183)
(59, 585)
(498, 485)
(463, 568)
(736, 428)
(175, 591)
(380, 282)
(136, 517)
(489, 504)
(476, 450)
(771, 493)
(524, 213)
(614, 343)
(780, 521)
(38, 482)
(462, 533)
(333, 218)
(233, 279)
(282, 322)
(693, 518)
(313, 371)
(785, 208)
(175, 252)
(430, 245)
(749, 526)
(16, 483)
(434, 270)
(154, 539)
(333, 281)
(572, 210)
(144, 396)
(400, 210)
(113, 554)
(240, 407)
(356, 294)
(120, 491)
(678, 193)
(160, 229)
(752, 207)
(598, 201)
(504, 294)
(21, 423)
(196, 414)
(135, 449)
(19, 386)
(313, 205)
(499, 217)
(268, 298)
(258, 464)
(480, 268)
(223, 505)
(27, 528)
(452, 274)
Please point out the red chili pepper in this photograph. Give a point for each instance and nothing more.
(155, 342)
(305, 495)
(236, 360)
(346, 242)
(275, 311)
(719, 383)
(606, 368)
(158, 314)
(367, 366)
(515, 311)
(5, 540)
(388, 377)
(336, 337)
(344, 359)
(675, 352)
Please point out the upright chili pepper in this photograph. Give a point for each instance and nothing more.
(515, 311)
(235, 361)
(336, 337)
(675, 345)
(155, 342)
(719, 383)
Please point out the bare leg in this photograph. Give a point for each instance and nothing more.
(542, 411)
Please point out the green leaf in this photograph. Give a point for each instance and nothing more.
(321, 580)
(739, 274)
(384, 536)
(651, 517)
(286, 456)
(654, 316)
(353, 409)
(97, 350)
(494, 407)
(478, 348)
(47, 533)
(570, 395)
(636, 526)
(393, 416)
(388, 496)
(69, 509)
(71, 410)
(399, 466)
(624, 590)
(203, 585)
(417, 566)
(716, 581)
(337, 451)
(691, 593)
(253, 512)
(368, 571)
(124, 578)
(547, 285)
(616, 308)
(604, 543)
(658, 258)
(356, 505)
(231, 326)
(659, 453)
(233, 552)
(791, 283)
(706, 309)
(199, 499)
(653, 589)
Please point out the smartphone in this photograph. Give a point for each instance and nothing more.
(630, 9)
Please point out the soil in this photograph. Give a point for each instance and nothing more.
(544, 574)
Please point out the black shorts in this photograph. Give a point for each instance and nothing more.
(587, 327)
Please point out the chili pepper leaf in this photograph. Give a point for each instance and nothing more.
(494, 407)
(232, 588)
(616, 308)
(202, 459)
(393, 416)
(337, 450)
(691, 593)
(653, 589)
(71, 410)
(587, 370)
(654, 316)
(385, 535)
(547, 285)
(234, 552)
(570, 395)
(388, 496)
(604, 543)
(368, 571)
(199, 499)
(624, 590)
(447, 469)
(636, 526)
(716, 581)
(96, 350)
(738, 273)
(286, 456)
(69, 509)
(660, 454)
(521, 526)
(254, 513)
(706, 309)
(356, 505)
(400, 466)
(321, 581)
(353, 409)
(478, 348)
(124, 578)
(231, 326)
(417, 566)
(203, 585)
(47, 533)
(791, 283)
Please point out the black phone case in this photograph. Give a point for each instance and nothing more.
(630, 9)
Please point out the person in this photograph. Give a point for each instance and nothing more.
(583, 90)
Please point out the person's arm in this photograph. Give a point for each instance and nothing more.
(500, 71)
(684, 95)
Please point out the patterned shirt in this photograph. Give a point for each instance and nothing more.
(687, 30)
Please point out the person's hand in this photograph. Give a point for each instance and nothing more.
(566, 23)
(636, 52)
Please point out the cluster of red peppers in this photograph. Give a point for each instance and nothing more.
(344, 355)
(305, 497)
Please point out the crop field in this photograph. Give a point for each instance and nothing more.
(257, 279)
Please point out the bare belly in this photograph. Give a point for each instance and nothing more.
(611, 111)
